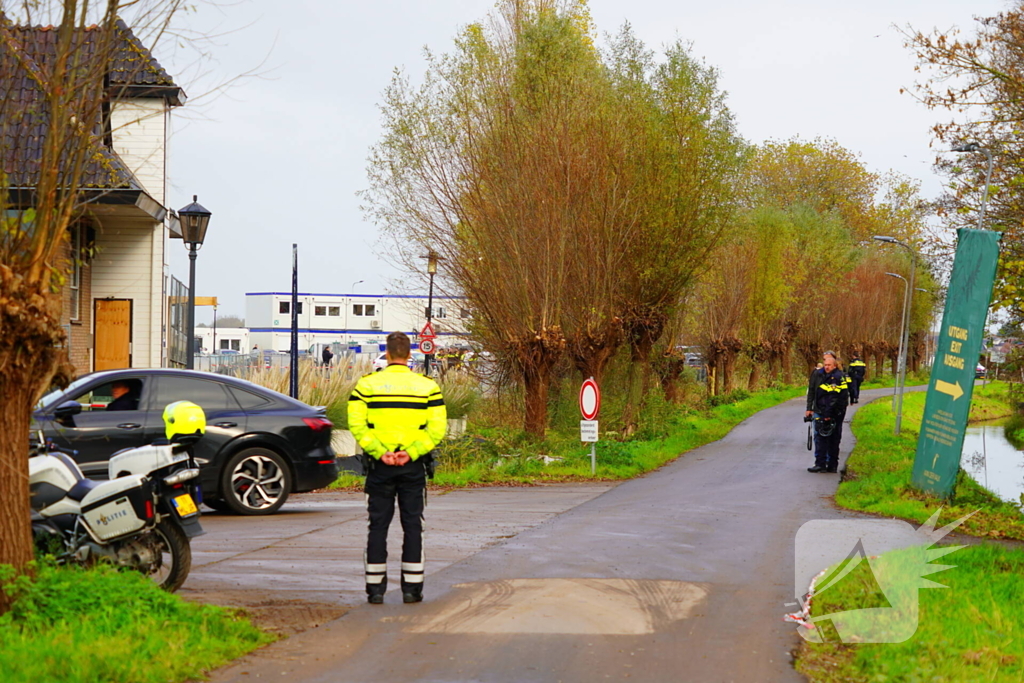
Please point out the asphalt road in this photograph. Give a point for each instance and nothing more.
(682, 575)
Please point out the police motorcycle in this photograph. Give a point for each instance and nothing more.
(141, 518)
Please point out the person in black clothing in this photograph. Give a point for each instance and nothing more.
(856, 370)
(124, 397)
(327, 356)
(827, 395)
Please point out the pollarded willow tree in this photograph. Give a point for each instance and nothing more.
(61, 65)
(570, 196)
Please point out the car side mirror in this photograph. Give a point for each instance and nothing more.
(65, 413)
(68, 409)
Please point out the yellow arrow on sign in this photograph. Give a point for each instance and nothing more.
(953, 390)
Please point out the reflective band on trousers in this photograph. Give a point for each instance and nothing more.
(412, 572)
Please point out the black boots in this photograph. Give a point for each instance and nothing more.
(412, 596)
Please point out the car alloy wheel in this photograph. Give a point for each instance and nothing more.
(256, 481)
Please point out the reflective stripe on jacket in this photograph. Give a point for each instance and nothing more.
(857, 369)
(828, 393)
(396, 409)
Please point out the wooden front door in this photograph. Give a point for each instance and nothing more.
(113, 348)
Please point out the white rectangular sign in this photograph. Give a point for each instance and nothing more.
(588, 430)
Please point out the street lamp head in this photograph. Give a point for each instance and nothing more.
(885, 238)
(194, 220)
(967, 147)
(432, 259)
(896, 275)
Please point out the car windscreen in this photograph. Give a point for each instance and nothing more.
(52, 396)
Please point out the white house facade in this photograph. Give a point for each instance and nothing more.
(350, 319)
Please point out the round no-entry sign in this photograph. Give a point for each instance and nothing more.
(590, 399)
(427, 346)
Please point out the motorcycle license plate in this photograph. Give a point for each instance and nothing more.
(185, 505)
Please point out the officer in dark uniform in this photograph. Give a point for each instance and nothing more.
(856, 370)
(827, 395)
(397, 417)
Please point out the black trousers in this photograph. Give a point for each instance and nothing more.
(384, 483)
(855, 388)
(826, 447)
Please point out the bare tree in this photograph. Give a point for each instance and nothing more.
(61, 66)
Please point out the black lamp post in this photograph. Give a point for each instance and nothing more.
(432, 259)
(194, 220)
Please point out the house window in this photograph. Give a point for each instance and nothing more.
(319, 310)
(236, 344)
(465, 313)
(370, 309)
(75, 276)
(439, 312)
(334, 311)
(286, 307)
(357, 309)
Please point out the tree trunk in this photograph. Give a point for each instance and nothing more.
(755, 376)
(787, 365)
(536, 381)
(30, 321)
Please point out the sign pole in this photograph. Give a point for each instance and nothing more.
(590, 406)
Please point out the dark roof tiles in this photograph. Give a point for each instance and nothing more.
(25, 55)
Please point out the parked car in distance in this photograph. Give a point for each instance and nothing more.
(979, 371)
(260, 446)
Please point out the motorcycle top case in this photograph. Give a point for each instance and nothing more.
(143, 460)
(117, 507)
(50, 477)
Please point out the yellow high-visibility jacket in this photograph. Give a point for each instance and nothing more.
(397, 410)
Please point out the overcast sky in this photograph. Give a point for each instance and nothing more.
(278, 159)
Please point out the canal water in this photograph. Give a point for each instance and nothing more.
(992, 461)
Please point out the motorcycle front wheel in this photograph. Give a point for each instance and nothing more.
(174, 556)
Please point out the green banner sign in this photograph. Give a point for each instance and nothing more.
(952, 383)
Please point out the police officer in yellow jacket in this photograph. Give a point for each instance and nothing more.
(397, 417)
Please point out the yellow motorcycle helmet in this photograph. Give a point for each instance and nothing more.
(184, 421)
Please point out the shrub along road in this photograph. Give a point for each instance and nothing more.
(683, 574)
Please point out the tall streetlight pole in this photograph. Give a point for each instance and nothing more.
(194, 219)
(905, 338)
(903, 322)
(975, 147)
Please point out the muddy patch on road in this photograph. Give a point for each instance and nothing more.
(564, 606)
(279, 616)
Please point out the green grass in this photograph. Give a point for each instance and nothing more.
(880, 467)
(889, 381)
(76, 625)
(971, 631)
(508, 457)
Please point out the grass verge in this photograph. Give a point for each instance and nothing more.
(970, 631)
(506, 458)
(879, 469)
(76, 625)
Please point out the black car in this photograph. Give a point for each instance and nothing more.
(259, 446)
